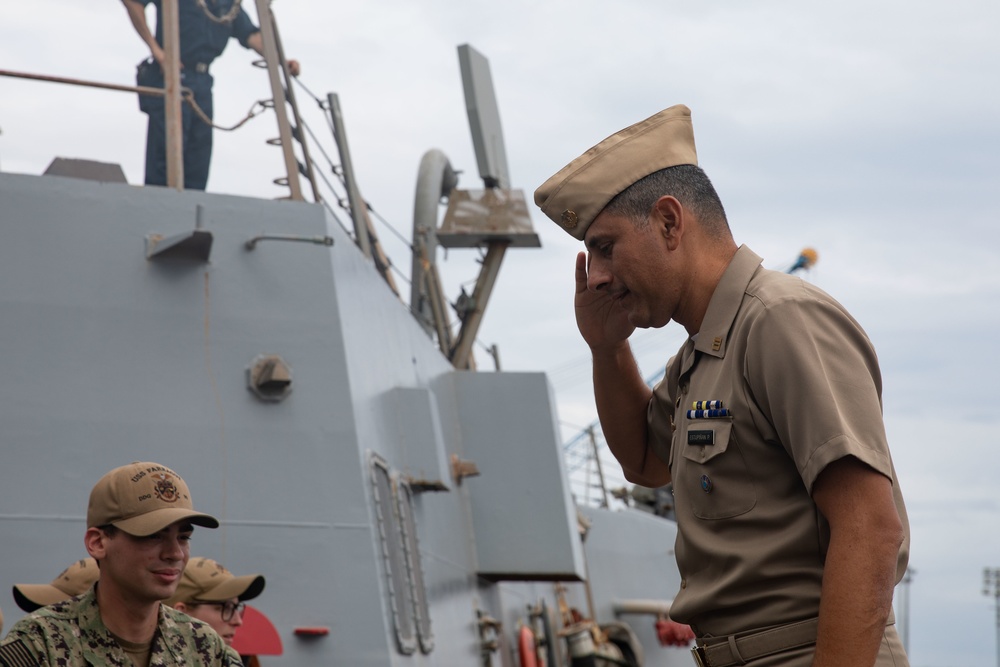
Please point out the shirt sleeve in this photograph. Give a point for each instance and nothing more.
(24, 646)
(814, 373)
(232, 658)
(243, 28)
(660, 415)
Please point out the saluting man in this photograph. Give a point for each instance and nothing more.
(791, 526)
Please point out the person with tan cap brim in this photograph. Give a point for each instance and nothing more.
(791, 528)
(139, 524)
(212, 594)
(74, 580)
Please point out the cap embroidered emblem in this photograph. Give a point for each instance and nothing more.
(165, 488)
(569, 219)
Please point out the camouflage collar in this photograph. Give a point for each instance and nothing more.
(100, 647)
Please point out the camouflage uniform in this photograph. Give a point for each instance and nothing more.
(72, 633)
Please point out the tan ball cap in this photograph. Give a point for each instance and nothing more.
(74, 580)
(578, 192)
(205, 580)
(143, 498)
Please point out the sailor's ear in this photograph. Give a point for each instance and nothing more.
(95, 540)
(668, 218)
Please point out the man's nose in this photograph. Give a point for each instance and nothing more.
(174, 549)
(598, 276)
(237, 618)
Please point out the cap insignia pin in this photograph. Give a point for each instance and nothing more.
(569, 219)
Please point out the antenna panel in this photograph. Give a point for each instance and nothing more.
(484, 117)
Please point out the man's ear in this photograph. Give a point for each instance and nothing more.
(180, 606)
(668, 217)
(95, 540)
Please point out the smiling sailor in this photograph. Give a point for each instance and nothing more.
(139, 524)
(791, 526)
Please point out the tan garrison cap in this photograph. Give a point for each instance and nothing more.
(205, 580)
(142, 499)
(74, 580)
(580, 190)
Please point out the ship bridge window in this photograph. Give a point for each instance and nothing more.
(397, 548)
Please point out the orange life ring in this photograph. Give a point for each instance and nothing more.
(526, 647)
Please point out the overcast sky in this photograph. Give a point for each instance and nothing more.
(867, 130)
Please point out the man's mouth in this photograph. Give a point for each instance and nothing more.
(167, 576)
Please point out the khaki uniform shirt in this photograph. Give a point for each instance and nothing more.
(801, 384)
(72, 633)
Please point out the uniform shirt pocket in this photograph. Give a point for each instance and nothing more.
(714, 478)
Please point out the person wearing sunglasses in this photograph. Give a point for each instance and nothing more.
(211, 594)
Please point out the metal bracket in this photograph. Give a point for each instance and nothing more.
(460, 469)
(425, 485)
(193, 246)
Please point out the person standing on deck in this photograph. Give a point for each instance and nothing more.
(791, 528)
(205, 28)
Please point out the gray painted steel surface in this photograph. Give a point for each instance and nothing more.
(110, 357)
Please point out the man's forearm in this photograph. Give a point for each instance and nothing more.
(854, 607)
(858, 581)
(137, 14)
(256, 42)
(622, 399)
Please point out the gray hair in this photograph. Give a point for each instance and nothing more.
(688, 184)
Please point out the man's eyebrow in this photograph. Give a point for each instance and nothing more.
(593, 241)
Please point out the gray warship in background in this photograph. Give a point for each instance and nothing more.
(405, 508)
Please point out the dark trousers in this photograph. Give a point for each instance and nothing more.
(197, 135)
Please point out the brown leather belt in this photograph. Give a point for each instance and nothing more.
(733, 650)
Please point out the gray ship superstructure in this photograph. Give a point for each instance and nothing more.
(403, 511)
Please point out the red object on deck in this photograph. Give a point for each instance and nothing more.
(526, 647)
(257, 635)
(311, 632)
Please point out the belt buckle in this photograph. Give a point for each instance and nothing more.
(700, 659)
